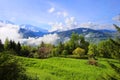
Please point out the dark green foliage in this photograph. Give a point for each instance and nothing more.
(114, 45)
(25, 51)
(117, 41)
(55, 52)
(60, 47)
(12, 46)
(1, 46)
(7, 44)
(18, 48)
(10, 68)
(118, 28)
(83, 44)
(108, 50)
(64, 52)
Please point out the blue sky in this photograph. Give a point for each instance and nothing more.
(50, 13)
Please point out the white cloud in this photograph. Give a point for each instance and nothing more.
(117, 18)
(9, 31)
(57, 26)
(69, 23)
(49, 38)
(51, 10)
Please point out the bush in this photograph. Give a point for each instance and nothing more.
(10, 68)
(79, 51)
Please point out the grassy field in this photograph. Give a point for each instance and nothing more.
(70, 69)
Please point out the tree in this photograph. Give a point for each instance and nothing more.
(65, 52)
(108, 50)
(116, 43)
(73, 43)
(25, 51)
(79, 51)
(60, 47)
(1, 46)
(103, 49)
(45, 51)
(7, 44)
(83, 44)
(18, 48)
(55, 52)
(77, 41)
(12, 45)
(92, 51)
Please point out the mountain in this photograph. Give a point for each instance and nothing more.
(85, 32)
(28, 33)
(90, 34)
(32, 28)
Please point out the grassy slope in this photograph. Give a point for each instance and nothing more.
(67, 69)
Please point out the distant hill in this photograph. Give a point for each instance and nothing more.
(90, 34)
(32, 28)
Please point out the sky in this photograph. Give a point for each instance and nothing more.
(62, 14)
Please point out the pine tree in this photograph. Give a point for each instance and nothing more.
(1, 46)
(117, 41)
(7, 44)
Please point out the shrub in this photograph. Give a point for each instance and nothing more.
(10, 68)
(79, 51)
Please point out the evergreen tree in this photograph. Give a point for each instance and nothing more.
(1, 46)
(92, 51)
(117, 42)
(7, 44)
(18, 48)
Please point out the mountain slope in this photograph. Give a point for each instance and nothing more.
(32, 28)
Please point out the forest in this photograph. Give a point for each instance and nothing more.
(19, 61)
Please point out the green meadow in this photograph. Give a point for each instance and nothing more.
(58, 68)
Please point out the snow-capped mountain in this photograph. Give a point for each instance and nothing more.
(32, 28)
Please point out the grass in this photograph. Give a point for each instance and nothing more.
(69, 69)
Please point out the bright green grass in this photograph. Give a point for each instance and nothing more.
(68, 69)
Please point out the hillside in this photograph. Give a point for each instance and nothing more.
(69, 69)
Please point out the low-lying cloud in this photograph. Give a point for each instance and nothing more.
(11, 32)
(49, 38)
